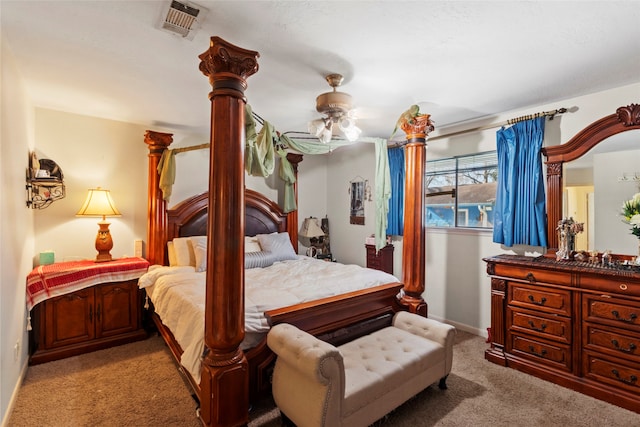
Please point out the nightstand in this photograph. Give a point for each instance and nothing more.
(83, 306)
(381, 260)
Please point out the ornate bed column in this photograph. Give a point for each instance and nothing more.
(156, 206)
(225, 375)
(413, 252)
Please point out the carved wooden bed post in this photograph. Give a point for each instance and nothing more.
(225, 374)
(413, 250)
(156, 206)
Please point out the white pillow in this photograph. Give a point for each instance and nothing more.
(258, 259)
(251, 244)
(199, 245)
(184, 252)
(173, 262)
(278, 244)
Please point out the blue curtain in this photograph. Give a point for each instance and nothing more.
(395, 217)
(520, 211)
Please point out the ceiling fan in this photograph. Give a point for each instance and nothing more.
(338, 111)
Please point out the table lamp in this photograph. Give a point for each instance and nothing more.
(99, 203)
(312, 231)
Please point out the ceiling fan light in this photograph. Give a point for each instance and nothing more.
(352, 133)
(325, 136)
(346, 123)
(316, 126)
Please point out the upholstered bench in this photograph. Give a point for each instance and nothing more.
(357, 383)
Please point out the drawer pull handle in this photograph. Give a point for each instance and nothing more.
(533, 300)
(632, 317)
(632, 379)
(542, 327)
(531, 278)
(623, 286)
(533, 351)
(616, 345)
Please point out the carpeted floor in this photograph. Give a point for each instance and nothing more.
(138, 385)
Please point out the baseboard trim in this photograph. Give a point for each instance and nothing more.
(462, 327)
(14, 395)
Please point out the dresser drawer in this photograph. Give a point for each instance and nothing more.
(553, 355)
(533, 275)
(618, 285)
(619, 374)
(551, 327)
(612, 342)
(605, 310)
(540, 298)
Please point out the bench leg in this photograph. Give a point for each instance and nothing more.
(443, 383)
(286, 422)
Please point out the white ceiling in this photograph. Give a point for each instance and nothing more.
(458, 60)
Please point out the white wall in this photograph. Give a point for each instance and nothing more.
(457, 287)
(91, 152)
(611, 233)
(16, 229)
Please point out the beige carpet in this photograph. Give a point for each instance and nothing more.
(138, 385)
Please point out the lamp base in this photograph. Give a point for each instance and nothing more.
(104, 243)
(103, 257)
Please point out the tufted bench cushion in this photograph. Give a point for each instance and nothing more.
(317, 384)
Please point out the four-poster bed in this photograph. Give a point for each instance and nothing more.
(231, 377)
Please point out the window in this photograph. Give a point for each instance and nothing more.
(461, 191)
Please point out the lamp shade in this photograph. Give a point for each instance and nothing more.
(98, 203)
(310, 228)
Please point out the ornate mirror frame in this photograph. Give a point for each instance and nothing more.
(625, 119)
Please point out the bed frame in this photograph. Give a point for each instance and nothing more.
(231, 378)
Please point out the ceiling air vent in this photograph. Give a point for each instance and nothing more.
(182, 18)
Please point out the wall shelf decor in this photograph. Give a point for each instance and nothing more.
(45, 182)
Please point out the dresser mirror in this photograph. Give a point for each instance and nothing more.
(591, 176)
(610, 170)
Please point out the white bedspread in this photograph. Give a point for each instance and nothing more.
(178, 295)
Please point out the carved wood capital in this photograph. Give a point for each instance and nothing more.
(417, 127)
(629, 115)
(157, 141)
(226, 58)
(554, 168)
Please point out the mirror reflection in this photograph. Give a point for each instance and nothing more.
(595, 187)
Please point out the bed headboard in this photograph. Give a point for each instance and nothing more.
(189, 217)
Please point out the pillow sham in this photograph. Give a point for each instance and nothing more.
(251, 244)
(199, 245)
(184, 252)
(259, 259)
(173, 262)
(279, 244)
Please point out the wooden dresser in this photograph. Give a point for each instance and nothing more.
(568, 322)
(380, 260)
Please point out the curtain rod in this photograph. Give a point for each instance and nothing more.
(550, 114)
(207, 145)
